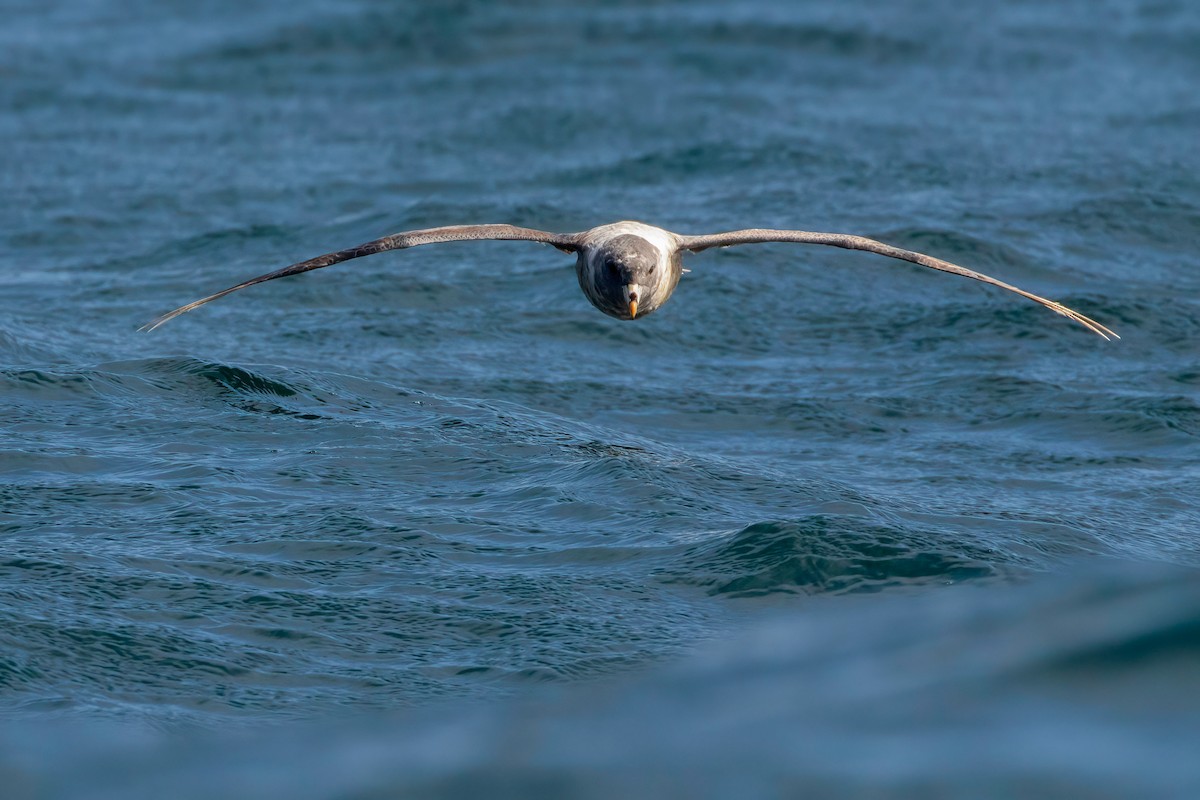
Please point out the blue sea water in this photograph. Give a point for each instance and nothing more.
(428, 524)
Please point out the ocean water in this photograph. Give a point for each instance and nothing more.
(428, 524)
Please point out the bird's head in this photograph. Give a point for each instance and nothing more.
(628, 277)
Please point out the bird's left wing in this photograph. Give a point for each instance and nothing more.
(452, 233)
(849, 242)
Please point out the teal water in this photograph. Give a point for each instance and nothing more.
(825, 521)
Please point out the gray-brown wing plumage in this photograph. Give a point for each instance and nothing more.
(399, 241)
(755, 235)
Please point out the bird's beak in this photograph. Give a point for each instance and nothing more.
(631, 296)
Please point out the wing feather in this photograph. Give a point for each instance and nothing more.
(399, 241)
(850, 242)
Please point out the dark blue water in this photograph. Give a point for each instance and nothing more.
(427, 523)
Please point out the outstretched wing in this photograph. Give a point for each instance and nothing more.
(754, 235)
(399, 241)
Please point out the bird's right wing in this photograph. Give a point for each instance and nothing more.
(452, 233)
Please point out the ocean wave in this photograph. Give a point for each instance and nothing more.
(830, 554)
(1052, 688)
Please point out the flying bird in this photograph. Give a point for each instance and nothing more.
(629, 269)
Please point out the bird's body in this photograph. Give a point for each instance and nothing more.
(629, 269)
(644, 259)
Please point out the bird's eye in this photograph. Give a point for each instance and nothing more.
(611, 266)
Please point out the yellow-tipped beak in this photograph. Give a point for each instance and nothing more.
(632, 309)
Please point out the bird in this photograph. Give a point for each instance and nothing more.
(629, 269)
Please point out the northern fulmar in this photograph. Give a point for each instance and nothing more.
(629, 269)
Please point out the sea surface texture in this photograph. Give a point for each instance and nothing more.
(428, 524)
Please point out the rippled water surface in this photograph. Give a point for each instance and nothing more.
(826, 521)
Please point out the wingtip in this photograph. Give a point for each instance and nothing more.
(158, 321)
(1103, 331)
